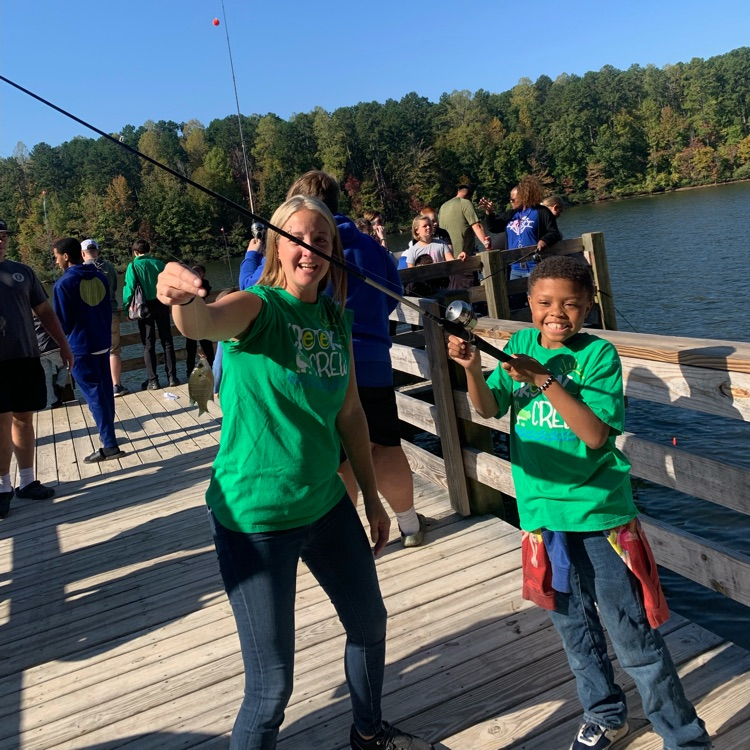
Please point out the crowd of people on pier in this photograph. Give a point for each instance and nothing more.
(310, 423)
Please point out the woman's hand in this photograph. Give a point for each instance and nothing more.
(487, 205)
(178, 285)
(254, 246)
(380, 523)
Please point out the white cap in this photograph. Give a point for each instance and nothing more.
(89, 244)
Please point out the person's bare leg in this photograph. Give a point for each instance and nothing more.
(115, 366)
(23, 438)
(394, 477)
(6, 442)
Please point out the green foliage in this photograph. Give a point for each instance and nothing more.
(591, 137)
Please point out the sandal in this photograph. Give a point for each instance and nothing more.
(100, 455)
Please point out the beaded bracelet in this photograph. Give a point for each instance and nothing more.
(547, 383)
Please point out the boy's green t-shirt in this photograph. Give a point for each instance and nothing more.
(561, 484)
(282, 387)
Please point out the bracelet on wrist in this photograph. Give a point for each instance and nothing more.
(547, 383)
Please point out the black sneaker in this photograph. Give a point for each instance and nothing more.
(174, 382)
(595, 737)
(153, 385)
(388, 738)
(35, 491)
(121, 390)
(5, 498)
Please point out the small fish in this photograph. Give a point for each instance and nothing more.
(201, 386)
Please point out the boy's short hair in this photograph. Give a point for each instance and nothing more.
(553, 200)
(141, 246)
(70, 247)
(224, 292)
(564, 267)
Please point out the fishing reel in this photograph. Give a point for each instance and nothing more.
(461, 312)
(461, 320)
(258, 231)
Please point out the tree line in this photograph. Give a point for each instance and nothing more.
(605, 134)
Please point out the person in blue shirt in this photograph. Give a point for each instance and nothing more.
(526, 223)
(372, 342)
(82, 303)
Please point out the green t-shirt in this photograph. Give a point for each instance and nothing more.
(561, 484)
(457, 216)
(283, 385)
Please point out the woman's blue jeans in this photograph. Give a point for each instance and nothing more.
(260, 575)
(599, 576)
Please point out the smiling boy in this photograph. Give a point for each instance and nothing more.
(564, 390)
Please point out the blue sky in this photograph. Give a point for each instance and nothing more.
(116, 63)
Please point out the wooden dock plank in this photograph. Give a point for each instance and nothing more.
(115, 630)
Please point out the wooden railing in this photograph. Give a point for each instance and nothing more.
(701, 375)
(495, 289)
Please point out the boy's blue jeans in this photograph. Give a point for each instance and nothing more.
(599, 576)
(260, 574)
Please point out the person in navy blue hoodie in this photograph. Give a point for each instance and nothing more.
(81, 300)
(372, 342)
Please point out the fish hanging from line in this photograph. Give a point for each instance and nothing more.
(201, 386)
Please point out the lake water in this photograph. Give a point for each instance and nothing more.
(676, 265)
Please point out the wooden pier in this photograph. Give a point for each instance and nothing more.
(115, 630)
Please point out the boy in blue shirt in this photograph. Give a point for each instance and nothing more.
(564, 389)
(82, 303)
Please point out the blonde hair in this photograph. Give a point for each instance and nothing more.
(415, 223)
(273, 273)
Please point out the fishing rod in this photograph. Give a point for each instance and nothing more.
(237, 101)
(452, 327)
(226, 250)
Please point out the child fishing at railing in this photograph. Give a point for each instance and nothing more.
(582, 544)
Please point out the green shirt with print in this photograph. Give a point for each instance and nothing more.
(282, 387)
(562, 484)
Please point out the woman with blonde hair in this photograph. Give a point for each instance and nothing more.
(425, 243)
(275, 496)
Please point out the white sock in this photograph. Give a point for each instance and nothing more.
(408, 521)
(5, 485)
(25, 477)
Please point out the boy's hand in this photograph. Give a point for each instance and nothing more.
(525, 369)
(463, 352)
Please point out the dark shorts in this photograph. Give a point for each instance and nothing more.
(382, 416)
(22, 385)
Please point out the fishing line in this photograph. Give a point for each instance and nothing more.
(607, 294)
(449, 326)
(226, 248)
(239, 116)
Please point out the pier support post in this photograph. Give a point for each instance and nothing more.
(467, 495)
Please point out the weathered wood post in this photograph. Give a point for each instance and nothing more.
(467, 495)
(493, 281)
(446, 419)
(593, 246)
